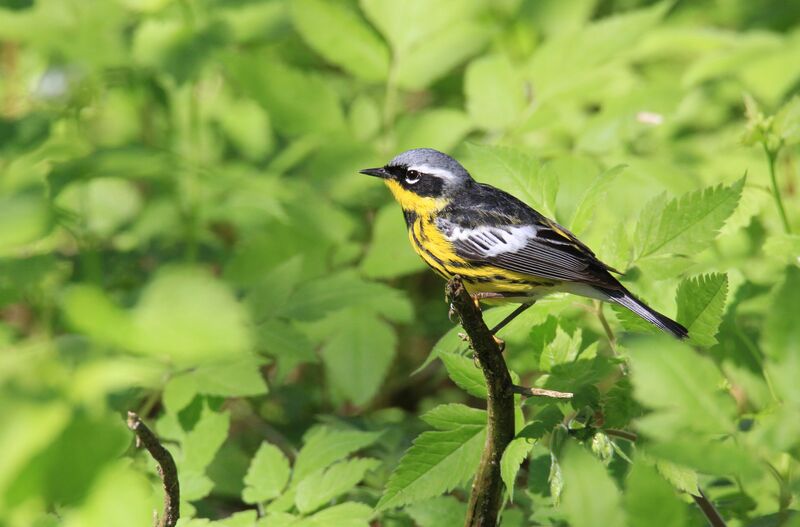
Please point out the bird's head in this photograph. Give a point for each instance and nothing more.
(422, 179)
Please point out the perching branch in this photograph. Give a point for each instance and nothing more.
(486, 498)
(166, 470)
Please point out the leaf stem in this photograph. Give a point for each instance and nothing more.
(709, 511)
(771, 158)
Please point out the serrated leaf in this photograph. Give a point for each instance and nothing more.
(465, 374)
(683, 479)
(267, 476)
(513, 456)
(687, 223)
(436, 463)
(454, 415)
(325, 485)
(590, 497)
(495, 93)
(700, 303)
(650, 500)
(341, 36)
(324, 446)
(288, 345)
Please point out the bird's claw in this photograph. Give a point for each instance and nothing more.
(452, 314)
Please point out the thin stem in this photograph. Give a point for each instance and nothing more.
(166, 470)
(771, 158)
(612, 340)
(541, 392)
(709, 511)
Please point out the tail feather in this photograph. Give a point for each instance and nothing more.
(626, 299)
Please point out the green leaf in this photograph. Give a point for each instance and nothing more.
(298, 102)
(348, 514)
(516, 172)
(681, 387)
(700, 304)
(358, 355)
(238, 378)
(440, 128)
(717, 457)
(325, 485)
(103, 506)
(324, 446)
(564, 348)
(682, 478)
(589, 497)
(787, 122)
(287, 344)
(189, 316)
(685, 224)
(570, 59)
(453, 415)
(444, 35)
(781, 336)
(267, 476)
(513, 456)
(650, 500)
(592, 197)
(319, 297)
(341, 36)
(465, 374)
(437, 462)
(389, 254)
(494, 92)
(444, 511)
(204, 440)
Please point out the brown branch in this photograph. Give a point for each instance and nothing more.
(166, 470)
(541, 392)
(709, 511)
(486, 498)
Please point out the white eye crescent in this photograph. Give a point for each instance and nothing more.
(412, 176)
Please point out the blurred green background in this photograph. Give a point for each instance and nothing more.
(183, 233)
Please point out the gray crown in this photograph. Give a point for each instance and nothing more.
(430, 157)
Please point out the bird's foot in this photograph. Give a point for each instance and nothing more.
(452, 314)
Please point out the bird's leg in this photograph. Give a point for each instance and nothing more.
(511, 316)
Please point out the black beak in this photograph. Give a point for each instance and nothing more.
(377, 172)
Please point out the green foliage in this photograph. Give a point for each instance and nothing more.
(184, 233)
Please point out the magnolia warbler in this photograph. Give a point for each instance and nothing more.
(504, 250)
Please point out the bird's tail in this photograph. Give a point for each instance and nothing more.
(626, 299)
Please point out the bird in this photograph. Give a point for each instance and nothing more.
(503, 250)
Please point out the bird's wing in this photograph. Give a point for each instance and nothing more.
(538, 247)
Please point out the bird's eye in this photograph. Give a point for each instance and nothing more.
(412, 176)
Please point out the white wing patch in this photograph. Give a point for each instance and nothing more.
(489, 241)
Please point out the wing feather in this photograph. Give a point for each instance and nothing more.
(541, 248)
